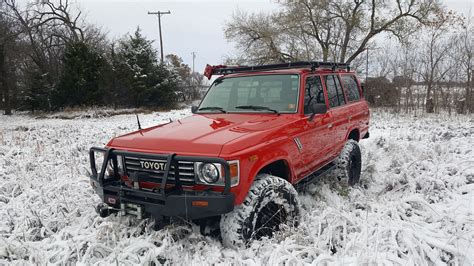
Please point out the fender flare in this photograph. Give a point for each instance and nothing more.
(352, 129)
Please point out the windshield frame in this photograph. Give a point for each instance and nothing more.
(254, 111)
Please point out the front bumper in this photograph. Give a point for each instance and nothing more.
(165, 201)
(185, 204)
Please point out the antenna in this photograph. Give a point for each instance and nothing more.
(138, 121)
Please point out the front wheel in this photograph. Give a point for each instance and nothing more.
(270, 203)
(349, 162)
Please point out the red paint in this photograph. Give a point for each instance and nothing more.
(257, 139)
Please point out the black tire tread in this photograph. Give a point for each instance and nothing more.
(235, 224)
(343, 160)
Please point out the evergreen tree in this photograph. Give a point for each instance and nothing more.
(141, 78)
(80, 81)
(37, 96)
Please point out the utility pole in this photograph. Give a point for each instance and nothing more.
(159, 14)
(192, 75)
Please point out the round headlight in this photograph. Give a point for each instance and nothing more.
(209, 173)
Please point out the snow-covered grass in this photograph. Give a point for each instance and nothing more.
(415, 204)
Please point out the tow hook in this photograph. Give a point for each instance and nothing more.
(104, 210)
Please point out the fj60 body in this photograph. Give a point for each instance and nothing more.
(259, 134)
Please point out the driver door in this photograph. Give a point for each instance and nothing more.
(316, 133)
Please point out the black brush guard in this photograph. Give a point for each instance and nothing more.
(163, 202)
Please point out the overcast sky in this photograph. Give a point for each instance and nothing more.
(192, 25)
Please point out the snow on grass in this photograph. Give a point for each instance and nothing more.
(415, 204)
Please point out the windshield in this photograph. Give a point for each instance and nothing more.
(264, 93)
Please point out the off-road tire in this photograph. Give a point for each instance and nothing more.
(269, 197)
(349, 162)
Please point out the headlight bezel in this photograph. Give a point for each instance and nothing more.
(234, 179)
(206, 175)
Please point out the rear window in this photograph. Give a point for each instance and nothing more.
(335, 94)
(351, 87)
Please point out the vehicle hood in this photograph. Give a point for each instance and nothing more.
(199, 134)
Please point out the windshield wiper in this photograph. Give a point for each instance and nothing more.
(257, 107)
(213, 108)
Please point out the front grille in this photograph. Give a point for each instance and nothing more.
(186, 170)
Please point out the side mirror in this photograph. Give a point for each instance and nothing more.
(317, 108)
(194, 109)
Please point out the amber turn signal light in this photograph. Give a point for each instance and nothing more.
(200, 203)
(234, 170)
(253, 158)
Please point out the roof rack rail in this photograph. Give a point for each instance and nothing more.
(224, 70)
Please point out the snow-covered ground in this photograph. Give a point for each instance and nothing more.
(415, 204)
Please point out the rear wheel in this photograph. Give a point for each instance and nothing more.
(270, 203)
(349, 162)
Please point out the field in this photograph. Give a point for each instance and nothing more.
(415, 204)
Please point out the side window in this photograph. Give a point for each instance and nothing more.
(340, 93)
(351, 87)
(335, 94)
(314, 93)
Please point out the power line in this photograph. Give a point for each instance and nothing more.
(159, 14)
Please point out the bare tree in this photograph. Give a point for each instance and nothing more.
(338, 30)
(259, 38)
(464, 57)
(434, 49)
(45, 29)
(9, 35)
(59, 17)
(408, 66)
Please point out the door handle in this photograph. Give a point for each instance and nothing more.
(330, 126)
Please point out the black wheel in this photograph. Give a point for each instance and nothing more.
(270, 203)
(349, 162)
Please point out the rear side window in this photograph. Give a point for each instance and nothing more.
(314, 93)
(351, 87)
(335, 94)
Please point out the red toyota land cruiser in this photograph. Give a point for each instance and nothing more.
(260, 133)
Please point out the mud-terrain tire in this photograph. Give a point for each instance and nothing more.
(270, 203)
(349, 162)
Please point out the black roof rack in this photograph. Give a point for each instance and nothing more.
(224, 70)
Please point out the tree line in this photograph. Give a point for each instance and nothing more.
(51, 59)
(424, 48)
(414, 54)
